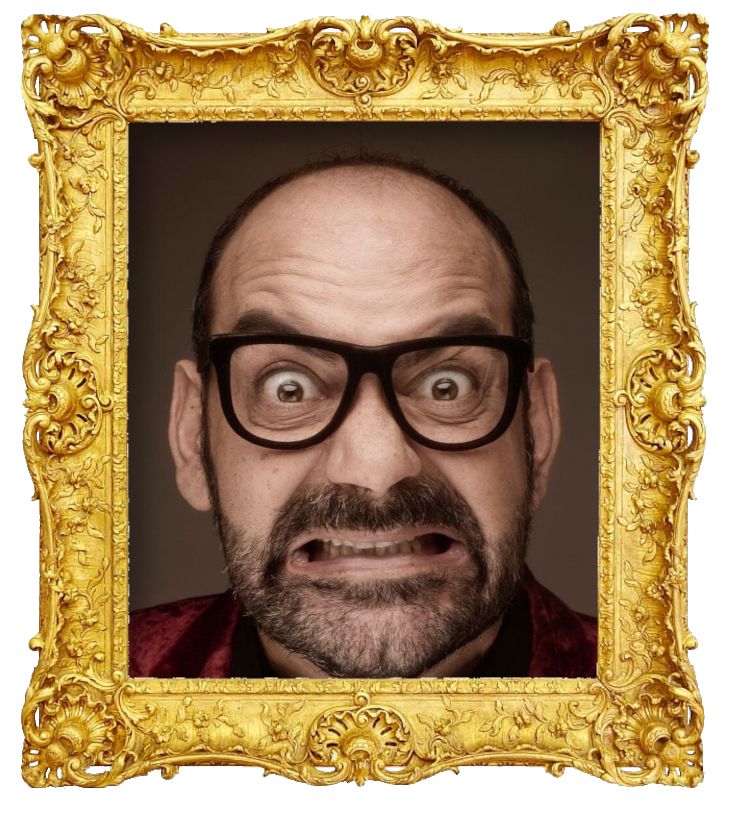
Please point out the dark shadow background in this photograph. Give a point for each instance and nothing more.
(542, 179)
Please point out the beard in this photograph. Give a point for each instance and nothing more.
(374, 628)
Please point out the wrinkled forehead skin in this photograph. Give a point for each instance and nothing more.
(369, 255)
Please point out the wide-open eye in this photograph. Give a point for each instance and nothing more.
(289, 386)
(283, 392)
(445, 385)
(452, 394)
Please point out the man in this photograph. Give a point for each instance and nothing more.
(368, 423)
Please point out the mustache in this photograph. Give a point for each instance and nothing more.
(423, 501)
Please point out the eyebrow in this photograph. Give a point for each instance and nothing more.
(259, 321)
(467, 324)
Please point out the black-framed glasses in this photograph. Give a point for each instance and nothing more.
(288, 392)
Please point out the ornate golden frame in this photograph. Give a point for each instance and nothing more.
(644, 79)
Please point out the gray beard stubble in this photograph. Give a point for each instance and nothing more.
(378, 628)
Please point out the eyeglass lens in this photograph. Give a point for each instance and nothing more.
(289, 393)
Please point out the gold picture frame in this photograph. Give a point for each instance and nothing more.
(86, 722)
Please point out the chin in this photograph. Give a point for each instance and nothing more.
(398, 628)
(401, 643)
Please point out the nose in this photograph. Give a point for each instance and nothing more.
(369, 449)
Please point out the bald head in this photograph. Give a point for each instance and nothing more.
(376, 240)
(350, 216)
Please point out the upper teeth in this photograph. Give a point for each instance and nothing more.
(338, 546)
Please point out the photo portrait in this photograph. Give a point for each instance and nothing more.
(541, 180)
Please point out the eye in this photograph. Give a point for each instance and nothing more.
(289, 386)
(446, 386)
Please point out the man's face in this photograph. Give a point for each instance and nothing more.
(367, 554)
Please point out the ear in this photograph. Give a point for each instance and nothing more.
(186, 416)
(544, 421)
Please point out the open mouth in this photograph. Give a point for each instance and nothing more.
(428, 549)
(328, 549)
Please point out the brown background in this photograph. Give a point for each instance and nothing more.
(541, 178)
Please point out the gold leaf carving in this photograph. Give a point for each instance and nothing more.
(443, 74)
(69, 728)
(361, 742)
(445, 740)
(67, 65)
(653, 67)
(200, 76)
(284, 734)
(365, 59)
(664, 401)
(565, 74)
(65, 409)
(656, 737)
(282, 73)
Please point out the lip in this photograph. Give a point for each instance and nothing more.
(454, 555)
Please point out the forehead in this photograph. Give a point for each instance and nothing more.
(366, 255)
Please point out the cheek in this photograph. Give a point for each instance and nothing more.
(492, 479)
(254, 483)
